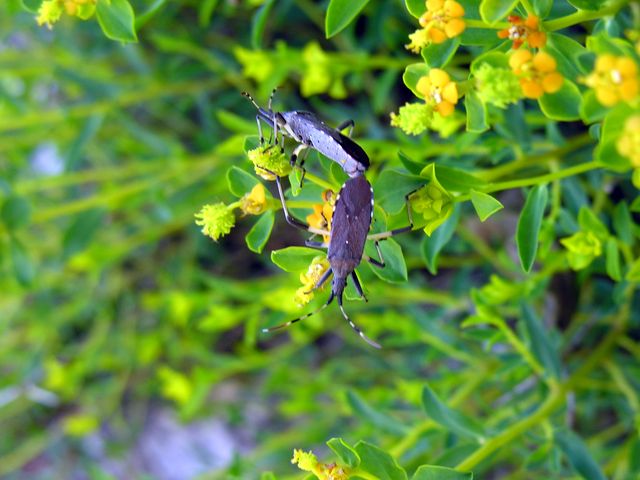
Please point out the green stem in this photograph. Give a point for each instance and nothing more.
(526, 4)
(583, 16)
(472, 23)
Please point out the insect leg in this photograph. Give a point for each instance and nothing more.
(391, 233)
(314, 244)
(290, 322)
(355, 327)
(378, 263)
(347, 123)
(273, 92)
(356, 283)
(294, 222)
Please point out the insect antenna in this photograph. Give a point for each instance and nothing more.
(295, 320)
(273, 92)
(355, 327)
(248, 95)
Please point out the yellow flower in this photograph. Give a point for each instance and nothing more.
(80, 8)
(439, 90)
(537, 73)
(524, 31)
(318, 266)
(614, 79)
(49, 13)
(308, 462)
(254, 202)
(442, 20)
(413, 118)
(322, 213)
(267, 159)
(216, 220)
(628, 143)
(582, 247)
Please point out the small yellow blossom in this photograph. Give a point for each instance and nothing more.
(413, 118)
(522, 31)
(49, 12)
(582, 247)
(308, 462)
(438, 90)
(318, 266)
(323, 213)
(614, 79)
(80, 8)
(432, 201)
(216, 220)
(269, 160)
(442, 20)
(254, 202)
(537, 73)
(628, 143)
(497, 86)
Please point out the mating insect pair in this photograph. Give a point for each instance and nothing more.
(353, 209)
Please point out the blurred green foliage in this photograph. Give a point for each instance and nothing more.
(509, 318)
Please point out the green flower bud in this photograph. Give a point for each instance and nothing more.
(255, 64)
(582, 247)
(306, 461)
(216, 220)
(267, 159)
(497, 86)
(413, 118)
(432, 201)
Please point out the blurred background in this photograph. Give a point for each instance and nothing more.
(130, 343)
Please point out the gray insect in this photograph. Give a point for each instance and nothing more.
(311, 132)
(351, 220)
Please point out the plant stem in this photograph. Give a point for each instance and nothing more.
(583, 16)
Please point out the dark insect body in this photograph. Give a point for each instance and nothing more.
(311, 132)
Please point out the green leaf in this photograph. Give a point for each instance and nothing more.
(541, 345)
(259, 22)
(347, 454)
(590, 222)
(16, 212)
(613, 260)
(437, 55)
(566, 52)
(412, 74)
(587, 4)
(633, 275)
(579, 456)
(563, 105)
(591, 110)
(448, 418)
(379, 463)
(33, 5)
(205, 11)
(542, 7)
(481, 37)
(623, 223)
(81, 231)
(368, 413)
(391, 186)
(612, 126)
(529, 225)
(484, 204)
(493, 11)
(435, 472)
(240, 182)
(431, 246)
(23, 268)
(259, 234)
(294, 259)
(395, 270)
(455, 179)
(476, 113)
(117, 20)
(415, 7)
(341, 13)
(267, 476)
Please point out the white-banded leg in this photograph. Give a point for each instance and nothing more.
(347, 123)
(294, 222)
(295, 320)
(390, 233)
(354, 326)
(378, 263)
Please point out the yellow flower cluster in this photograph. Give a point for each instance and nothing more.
(308, 462)
(438, 90)
(614, 79)
(628, 143)
(537, 73)
(319, 265)
(441, 21)
(50, 11)
(269, 160)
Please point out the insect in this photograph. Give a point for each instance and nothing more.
(311, 132)
(351, 220)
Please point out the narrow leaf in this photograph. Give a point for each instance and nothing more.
(341, 13)
(448, 418)
(294, 259)
(431, 246)
(579, 456)
(529, 225)
(476, 113)
(23, 268)
(15, 212)
(492, 11)
(612, 253)
(435, 472)
(81, 231)
(239, 181)
(368, 413)
(541, 344)
(117, 20)
(415, 7)
(259, 22)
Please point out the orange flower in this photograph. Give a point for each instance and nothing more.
(322, 213)
(438, 90)
(537, 73)
(524, 31)
(614, 79)
(628, 144)
(442, 20)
